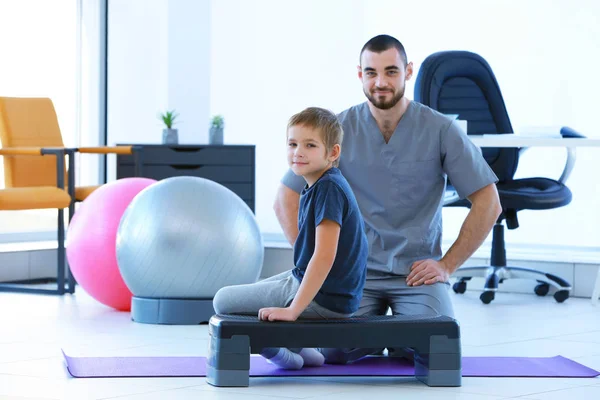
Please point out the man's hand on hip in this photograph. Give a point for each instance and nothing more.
(427, 272)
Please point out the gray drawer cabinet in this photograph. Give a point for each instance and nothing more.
(231, 166)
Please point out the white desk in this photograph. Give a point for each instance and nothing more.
(514, 140)
(510, 140)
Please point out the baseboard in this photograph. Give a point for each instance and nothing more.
(38, 260)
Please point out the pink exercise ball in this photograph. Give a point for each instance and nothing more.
(91, 241)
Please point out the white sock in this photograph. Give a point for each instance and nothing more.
(312, 357)
(283, 358)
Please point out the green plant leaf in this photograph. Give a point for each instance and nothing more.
(168, 118)
(217, 121)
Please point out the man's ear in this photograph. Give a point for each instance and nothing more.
(409, 70)
(359, 70)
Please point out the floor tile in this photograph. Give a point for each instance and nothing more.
(391, 392)
(190, 394)
(585, 392)
(513, 387)
(33, 334)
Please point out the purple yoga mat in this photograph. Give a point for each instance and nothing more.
(549, 367)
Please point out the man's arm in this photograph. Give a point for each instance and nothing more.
(484, 212)
(326, 243)
(286, 207)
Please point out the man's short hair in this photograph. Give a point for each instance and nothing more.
(381, 43)
(324, 121)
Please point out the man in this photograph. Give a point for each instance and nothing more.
(397, 154)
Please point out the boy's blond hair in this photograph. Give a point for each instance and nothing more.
(325, 122)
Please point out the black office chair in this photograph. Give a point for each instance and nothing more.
(460, 82)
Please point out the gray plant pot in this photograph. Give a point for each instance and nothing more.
(170, 136)
(216, 135)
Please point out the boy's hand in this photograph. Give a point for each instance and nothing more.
(427, 272)
(277, 314)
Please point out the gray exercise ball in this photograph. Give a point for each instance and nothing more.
(187, 237)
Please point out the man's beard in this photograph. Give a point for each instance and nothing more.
(383, 104)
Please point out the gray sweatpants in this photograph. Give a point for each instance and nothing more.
(393, 293)
(379, 295)
(276, 291)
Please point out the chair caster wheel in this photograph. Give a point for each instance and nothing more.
(459, 287)
(542, 289)
(487, 297)
(561, 296)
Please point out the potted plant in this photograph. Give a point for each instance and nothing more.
(216, 130)
(169, 133)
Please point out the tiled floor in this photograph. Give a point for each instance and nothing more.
(34, 329)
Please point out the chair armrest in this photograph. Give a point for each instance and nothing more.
(21, 151)
(569, 164)
(122, 150)
(59, 152)
(567, 132)
(134, 150)
(33, 151)
(570, 133)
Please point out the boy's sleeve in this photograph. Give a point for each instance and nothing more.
(329, 203)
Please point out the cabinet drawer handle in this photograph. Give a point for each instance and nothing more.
(186, 166)
(185, 149)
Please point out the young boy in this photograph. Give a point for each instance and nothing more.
(330, 253)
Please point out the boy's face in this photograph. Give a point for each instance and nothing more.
(307, 155)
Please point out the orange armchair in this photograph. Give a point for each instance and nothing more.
(34, 192)
(34, 179)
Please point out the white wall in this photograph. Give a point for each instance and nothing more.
(268, 59)
(39, 59)
(158, 60)
(272, 58)
(90, 93)
(544, 55)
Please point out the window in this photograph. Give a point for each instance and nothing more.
(39, 59)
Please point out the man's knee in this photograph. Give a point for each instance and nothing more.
(424, 300)
(442, 303)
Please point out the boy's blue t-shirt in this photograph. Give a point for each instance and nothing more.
(331, 198)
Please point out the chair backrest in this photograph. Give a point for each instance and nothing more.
(29, 122)
(461, 82)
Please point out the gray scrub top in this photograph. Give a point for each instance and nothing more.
(400, 185)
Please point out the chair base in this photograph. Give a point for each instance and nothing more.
(65, 281)
(25, 287)
(495, 275)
